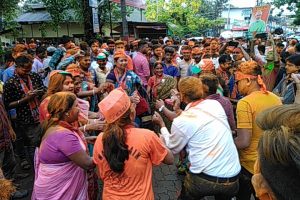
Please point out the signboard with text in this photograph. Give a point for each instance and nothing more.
(134, 3)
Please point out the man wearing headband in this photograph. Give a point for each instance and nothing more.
(256, 100)
(196, 55)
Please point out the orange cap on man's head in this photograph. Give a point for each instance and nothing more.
(115, 105)
(207, 65)
(119, 54)
(74, 69)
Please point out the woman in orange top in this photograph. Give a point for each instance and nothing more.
(124, 154)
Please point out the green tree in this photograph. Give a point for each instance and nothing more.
(182, 17)
(212, 9)
(63, 10)
(8, 11)
(293, 5)
(114, 10)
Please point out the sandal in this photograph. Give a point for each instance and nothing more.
(25, 165)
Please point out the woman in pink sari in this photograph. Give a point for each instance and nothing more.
(61, 160)
(61, 81)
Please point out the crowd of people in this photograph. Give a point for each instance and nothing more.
(78, 114)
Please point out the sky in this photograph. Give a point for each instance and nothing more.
(252, 3)
(243, 3)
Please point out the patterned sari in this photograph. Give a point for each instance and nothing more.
(161, 89)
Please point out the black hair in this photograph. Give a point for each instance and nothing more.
(155, 41)
(115, 146)
(297, 47)
(65, 39)
(261, 48)
(157, 63)
(211, 81)
(175, 47)
(156, 46)
(279, 44)
(84, 46)
(23, 59)
(92, 41)
(176, 42)
(169, 50)
(8, 57)
(295, 59)
(224, 58)
(41, 49)
(142, 43)
(110, 42)
(50, 53)
(206, 45)
(284, 55)
(186, 47)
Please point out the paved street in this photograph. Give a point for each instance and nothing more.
(166, 183)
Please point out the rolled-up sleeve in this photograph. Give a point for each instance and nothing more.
(176, 140)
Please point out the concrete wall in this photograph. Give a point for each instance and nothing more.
(33, 30)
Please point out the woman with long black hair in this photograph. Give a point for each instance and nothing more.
(124, 154)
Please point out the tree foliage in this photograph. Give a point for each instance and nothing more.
(114, 9)
(293, 5)
(63, 10)
(183, 17)
(212, 9)
(8, 12)
(8, 9)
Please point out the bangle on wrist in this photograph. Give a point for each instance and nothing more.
(161, 108)
(93, 91)
(18, 102)
(84, 128)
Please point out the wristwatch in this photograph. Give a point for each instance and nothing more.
(161, 108)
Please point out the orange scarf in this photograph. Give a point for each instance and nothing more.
(239, 76)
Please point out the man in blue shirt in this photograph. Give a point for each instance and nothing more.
(9, 61)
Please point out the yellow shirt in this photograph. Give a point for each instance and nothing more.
(247, 110)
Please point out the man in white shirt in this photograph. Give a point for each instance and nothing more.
(102, 69)
(186, 61)
(202, 129)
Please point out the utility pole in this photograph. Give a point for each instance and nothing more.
(110, 22)
(124, 20)
(228, 16)
(87, 18)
